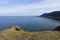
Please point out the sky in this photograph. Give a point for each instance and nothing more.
(28, 7)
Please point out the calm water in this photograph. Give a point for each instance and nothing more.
(28, 23)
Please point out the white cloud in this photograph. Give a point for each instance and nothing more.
(37, 8)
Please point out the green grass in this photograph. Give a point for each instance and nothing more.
(13, 34)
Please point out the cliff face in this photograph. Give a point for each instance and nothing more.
(53, 15)
(20, 34)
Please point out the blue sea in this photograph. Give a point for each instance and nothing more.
(28, 23)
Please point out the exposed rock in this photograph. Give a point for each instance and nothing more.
(14, 28)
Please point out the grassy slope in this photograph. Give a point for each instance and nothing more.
(12, 34)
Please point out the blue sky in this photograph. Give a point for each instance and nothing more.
(28, 7)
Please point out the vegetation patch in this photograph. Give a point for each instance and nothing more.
(16, 33)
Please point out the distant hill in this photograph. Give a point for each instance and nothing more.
(16, 33)
(53, 15)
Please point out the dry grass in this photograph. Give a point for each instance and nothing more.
(12, 34)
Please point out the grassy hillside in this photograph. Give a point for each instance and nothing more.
(53, 15)
(57, 29)
(16, 33)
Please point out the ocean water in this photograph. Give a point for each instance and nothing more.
(28, 23)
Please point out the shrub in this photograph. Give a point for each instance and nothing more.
(18, 28)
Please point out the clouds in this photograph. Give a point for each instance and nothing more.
(20, 2)
(37, 7)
